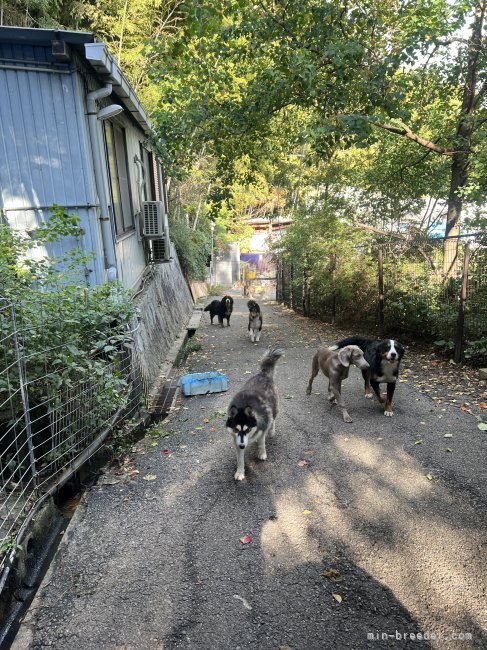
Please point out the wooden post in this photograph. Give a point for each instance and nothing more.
(380, 273)
(459, 338)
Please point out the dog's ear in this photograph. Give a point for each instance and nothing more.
(232, 412)
(344, 357)
(249, 412)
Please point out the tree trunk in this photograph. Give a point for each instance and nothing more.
(459, 167)
(458, 179)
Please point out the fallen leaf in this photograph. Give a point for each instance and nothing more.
(165, 452)
(429, 477)
(483, 405)
(332, 574)
(448, 449)
(149, 477)
(337, 597)
(212, 430)
(448, 435)
(206, 420)
(302, 463)
(482, 426)
(307, 512)
(134, 472)
(418, 442)
(246, 539)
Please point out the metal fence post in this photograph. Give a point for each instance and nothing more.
(459, 338)
(25, 397)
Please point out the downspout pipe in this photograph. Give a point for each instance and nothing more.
(106, 227)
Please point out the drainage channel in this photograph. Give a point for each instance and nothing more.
(41, 548)
(15, 602)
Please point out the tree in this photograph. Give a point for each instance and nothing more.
(236, 68)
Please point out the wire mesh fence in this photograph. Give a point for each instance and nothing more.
(394, 289)
(58, 402)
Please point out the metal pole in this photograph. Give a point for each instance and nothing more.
(380, 271)
(25, 399)
(459, 339)
(212, 261)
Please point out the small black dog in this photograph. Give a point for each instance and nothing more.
(255, 321)
(384, 358)
(222, 308)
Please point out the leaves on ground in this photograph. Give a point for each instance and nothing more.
(246, 539)
(302, 463)
(149, 477)
(338, 598)
(332, 574)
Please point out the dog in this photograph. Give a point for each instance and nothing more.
(335, 365)
(222, 308)
(255, 321)
(384, 358)
(253, 410)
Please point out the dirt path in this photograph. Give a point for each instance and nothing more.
(381, 531)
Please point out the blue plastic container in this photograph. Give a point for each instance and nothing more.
(201, 383)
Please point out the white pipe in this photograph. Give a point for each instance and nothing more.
(106, 227)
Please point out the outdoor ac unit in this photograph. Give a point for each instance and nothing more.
(154, 219)
(160, 250)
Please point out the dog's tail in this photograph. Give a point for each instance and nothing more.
(269, 360)
(207, 308)
(360, 341)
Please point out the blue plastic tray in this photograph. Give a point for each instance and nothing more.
(201, 383)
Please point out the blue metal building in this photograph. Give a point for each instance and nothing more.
(72, 133)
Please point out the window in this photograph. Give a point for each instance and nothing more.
(148, 162)
(119, 177)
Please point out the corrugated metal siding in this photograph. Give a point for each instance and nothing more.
(44, 148)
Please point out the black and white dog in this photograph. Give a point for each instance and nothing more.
(384, 358)
(222, 308)
(255, 321)
(252, 411)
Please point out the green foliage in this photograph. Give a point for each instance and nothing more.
(193, 248)
(193, 345)
(72, 338)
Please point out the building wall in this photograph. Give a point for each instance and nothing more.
(44, 154)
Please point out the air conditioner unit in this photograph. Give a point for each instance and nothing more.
(159, 250)
(154, 220)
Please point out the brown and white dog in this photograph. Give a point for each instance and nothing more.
(255, 321)
(335, 365)
(384, 358)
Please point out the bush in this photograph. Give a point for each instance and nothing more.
(193, 249)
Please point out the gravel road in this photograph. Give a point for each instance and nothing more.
(363, 535)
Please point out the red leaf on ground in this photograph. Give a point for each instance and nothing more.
(302, 463)
(246, 540)
(165, 452)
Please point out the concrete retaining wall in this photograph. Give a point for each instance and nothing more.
(164, 307)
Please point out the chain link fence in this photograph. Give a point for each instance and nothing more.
(395, 289)
(57, 404)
